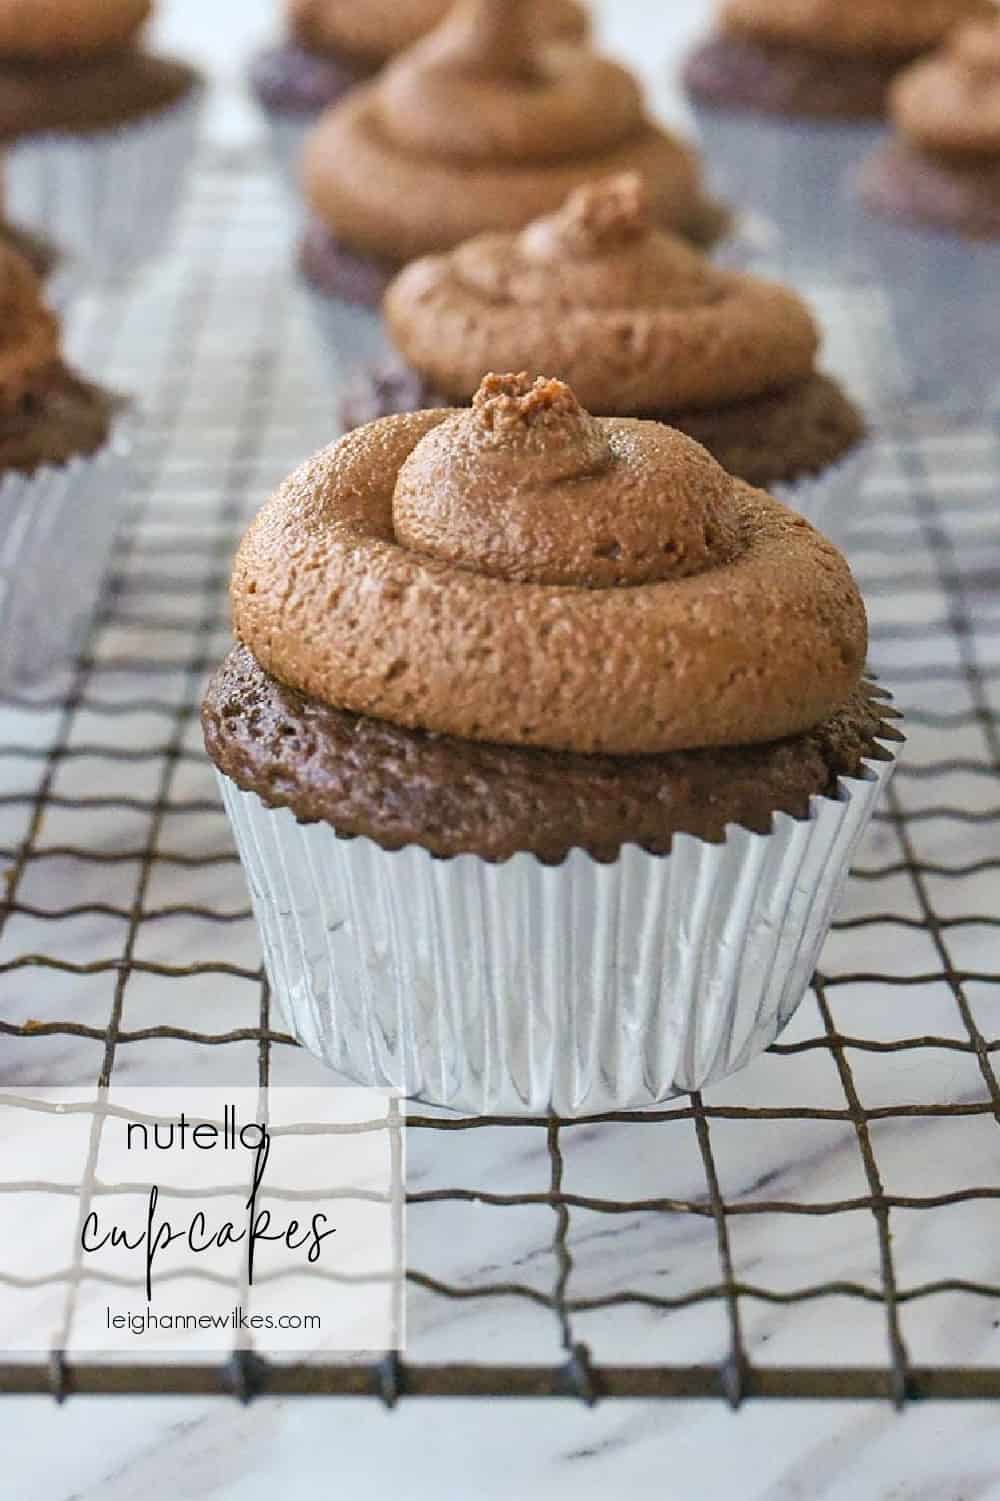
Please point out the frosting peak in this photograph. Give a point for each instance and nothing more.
(600, 249)
(508, 406)
(598, 215)
(490, 38)
(29, 333)
(484, 86)
(950, 102)
(528, 487)
(375, 30)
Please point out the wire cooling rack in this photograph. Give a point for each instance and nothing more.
(824, 1225)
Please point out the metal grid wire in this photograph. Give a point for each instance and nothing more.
(691, 1251)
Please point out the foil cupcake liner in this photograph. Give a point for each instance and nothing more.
(944, 305)
(791, 177)
(56, 531)
(108, 197)
(830, 499)
(286, 135)
(520, 988)
(351, 335)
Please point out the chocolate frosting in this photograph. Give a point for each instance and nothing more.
(950, 102)
(521, 573)
(893, 28)
(44, 30)
(634, 319)
(372, 32)
(481, 127)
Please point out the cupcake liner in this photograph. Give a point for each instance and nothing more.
(790, 176)
(56, 531)
(831, 498)
(520, 988)
(286, 136)
(109, 197)
(351, 335)
(944, 303)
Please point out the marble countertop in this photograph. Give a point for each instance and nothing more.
(255, 396)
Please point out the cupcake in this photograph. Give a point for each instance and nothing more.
(640, 324)
(933, 192)
(333, 45)
(97, 131)
(546, 746)
(479, 127)
(790, 93)
(62, 460)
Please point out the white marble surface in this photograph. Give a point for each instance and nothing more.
(475, 1451)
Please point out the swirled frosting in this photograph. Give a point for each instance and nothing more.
(482, 127)
(39, 30)
(376, 30)
(522, 573)
(950, 102)
(634, 319)
(890, 28)
(29, 333)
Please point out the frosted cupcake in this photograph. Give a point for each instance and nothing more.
(789, 94)
(98, 131)
(62, 458)
(640, 324)
(933, 227)
(334, 45)
(542, 802)
(479, 127)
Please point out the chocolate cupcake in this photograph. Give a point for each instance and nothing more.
(479, 127)
(98, 131)
(640, 324)
(62, 453)
(933, 228)
(547, 746)
(334, 45)
(789, 94)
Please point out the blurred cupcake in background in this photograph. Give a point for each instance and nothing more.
(547, 747)
(479, 127)
(62, 468)
(789, 94)
(332, 45)
(97, 131)
(640, 324)
(933, 226)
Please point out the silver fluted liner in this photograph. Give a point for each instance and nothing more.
(944, 297)
(351, 337)
(56, 531)
(793, 175)
(832, 498)
(108, 197)
(521, 988)
(286, 136)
